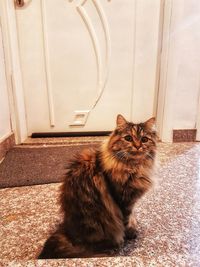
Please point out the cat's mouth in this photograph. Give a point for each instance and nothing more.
(136, 154)
(125, 156)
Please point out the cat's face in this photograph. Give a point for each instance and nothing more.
(132, 141)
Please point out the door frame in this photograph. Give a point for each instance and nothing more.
(166, 93)
(163, 103)
(13, 70)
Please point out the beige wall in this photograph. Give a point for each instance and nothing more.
(186, 34)
(180, 68)
(5, 127)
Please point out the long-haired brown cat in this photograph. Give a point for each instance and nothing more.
(100, 190)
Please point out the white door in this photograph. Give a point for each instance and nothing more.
(83, 62)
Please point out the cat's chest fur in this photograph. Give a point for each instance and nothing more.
(127, 187)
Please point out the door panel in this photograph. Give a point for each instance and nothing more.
(83, 62)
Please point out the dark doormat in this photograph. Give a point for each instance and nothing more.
(24, 166)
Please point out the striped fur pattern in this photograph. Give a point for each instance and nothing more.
(100, 190)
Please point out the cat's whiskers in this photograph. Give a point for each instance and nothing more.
(121, 155)
(149, 155)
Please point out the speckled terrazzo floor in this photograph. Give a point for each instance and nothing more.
(168, 218)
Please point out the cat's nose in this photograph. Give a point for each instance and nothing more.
(137, 146)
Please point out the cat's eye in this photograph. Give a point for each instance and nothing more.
(144, 139)
(128, 138)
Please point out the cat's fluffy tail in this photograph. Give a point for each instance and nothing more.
(59, 246)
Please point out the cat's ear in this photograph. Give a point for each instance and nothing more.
(151, 124)
(121, 121)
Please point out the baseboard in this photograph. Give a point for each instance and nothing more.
(184, 135)
(6, 144)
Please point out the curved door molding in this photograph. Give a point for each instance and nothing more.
(102, 71)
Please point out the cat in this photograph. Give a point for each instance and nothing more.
(99, 192)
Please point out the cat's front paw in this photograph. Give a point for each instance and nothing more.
(131, 233)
